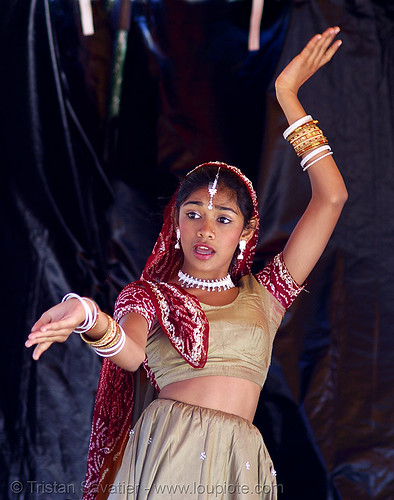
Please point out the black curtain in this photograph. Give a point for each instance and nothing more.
(83, 188)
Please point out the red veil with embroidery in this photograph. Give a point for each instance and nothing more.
(181, 318)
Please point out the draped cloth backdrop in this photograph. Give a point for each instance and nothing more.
(96, 132)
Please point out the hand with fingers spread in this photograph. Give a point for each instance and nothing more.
(97, 329)
(318, 52)
(55, 325)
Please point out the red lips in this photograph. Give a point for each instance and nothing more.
(203, 251)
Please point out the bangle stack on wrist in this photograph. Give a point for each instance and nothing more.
(307, 139)
(114, 338)
(111, 343)
(91, 317)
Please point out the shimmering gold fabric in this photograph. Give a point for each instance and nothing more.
(240, 339)
(178, 451)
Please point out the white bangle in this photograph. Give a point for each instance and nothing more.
(298, 123)
(90, 317)
(107, 353)
(94, 312)
(317, 159)
(315, 152)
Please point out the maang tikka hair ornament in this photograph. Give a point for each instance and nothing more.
(212, 189)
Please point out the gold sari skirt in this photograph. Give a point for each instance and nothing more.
(178, 451)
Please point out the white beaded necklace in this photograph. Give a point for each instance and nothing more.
(210, 285)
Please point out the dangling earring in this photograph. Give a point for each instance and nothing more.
(178, 239)
(242, 247)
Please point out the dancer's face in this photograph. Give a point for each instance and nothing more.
(209, 237)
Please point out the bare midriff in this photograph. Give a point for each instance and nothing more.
(229, 394)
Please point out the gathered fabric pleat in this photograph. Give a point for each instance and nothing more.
(225, 456)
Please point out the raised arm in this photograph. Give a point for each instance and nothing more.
(329, 194)
(59, 322)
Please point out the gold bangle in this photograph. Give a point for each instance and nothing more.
(115, 340)
(310, 146)
(305, 132)
(308, 125)
(306, 137)
(311, 140)
(107, 337)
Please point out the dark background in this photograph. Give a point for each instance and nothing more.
(84, 181)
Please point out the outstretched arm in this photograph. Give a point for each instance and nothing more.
(329, 194)
(59, 322)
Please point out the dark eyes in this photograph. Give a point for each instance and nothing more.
(193, 215)
(222, 219)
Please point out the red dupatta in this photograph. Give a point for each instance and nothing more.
(181, 318)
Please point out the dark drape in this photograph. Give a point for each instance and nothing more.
(81, 196)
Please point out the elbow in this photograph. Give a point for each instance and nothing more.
(335, 198)
(333, 201)
(138, 359)
(343, 196)
(130, 357)
(339, 198)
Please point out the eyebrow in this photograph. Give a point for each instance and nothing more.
(218, 207)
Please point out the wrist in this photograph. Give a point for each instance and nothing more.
(283, 93)
(99, 328)
(111, 342)
(91, 312)
(290, 105)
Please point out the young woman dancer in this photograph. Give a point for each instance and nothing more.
(202, 326)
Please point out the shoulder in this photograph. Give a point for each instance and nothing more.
(277, 280)
(135, 298)
(261, 300)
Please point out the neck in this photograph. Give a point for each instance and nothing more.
(217, 285)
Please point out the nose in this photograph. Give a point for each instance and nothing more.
(206, 229)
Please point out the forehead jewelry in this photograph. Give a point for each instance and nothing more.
(212, 189)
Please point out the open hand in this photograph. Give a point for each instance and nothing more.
(55, 325)
(318, 52)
